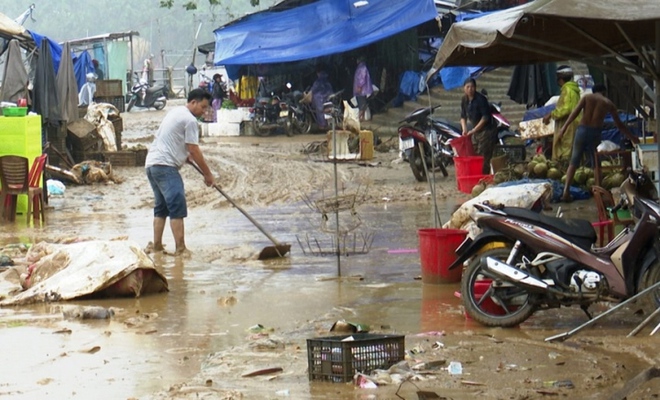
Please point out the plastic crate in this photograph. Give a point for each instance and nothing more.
(336, 359)
(117, 101)
(14, 111)
(109, 88)
(140, 157)
(123, 158)
(468, 166)
(467, 183)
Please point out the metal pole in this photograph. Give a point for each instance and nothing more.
(566, 335)
(334, 154)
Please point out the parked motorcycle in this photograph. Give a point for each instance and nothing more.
(525, 261)
(434, 134)
(145, 96)
(303, 114)
(509, 143)
(270, 114)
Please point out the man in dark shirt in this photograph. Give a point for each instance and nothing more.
(475, 109)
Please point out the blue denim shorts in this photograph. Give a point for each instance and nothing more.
(169, 194)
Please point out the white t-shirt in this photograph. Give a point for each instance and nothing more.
(179, 127)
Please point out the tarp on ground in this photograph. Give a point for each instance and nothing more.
(317, 29)
(71, 271)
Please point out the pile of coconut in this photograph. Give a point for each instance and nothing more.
(539, 167)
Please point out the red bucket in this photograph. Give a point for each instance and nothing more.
(463, 146)
(437, 251)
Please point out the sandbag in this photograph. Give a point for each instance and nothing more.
(524, 195)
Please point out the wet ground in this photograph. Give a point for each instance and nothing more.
(198, 340)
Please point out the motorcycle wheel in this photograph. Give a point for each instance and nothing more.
(302, 124)
(257, 125)
(650, 302)
(504, 306)
(160, 105)
(130, 104)
(416, 164)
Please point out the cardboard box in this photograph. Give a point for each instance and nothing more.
(366, 145)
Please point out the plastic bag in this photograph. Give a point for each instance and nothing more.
(607, 145)
(351, 117)
(55, 187)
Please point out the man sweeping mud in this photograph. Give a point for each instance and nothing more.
(176, 141)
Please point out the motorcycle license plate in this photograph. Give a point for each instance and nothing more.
(284, 113)
(407, 144)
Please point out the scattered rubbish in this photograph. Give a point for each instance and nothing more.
(55, 187)
(424, 395)
(455, 368)
(284, 392)
(567, 383)
(265, 371)
(553, 356)
(88, 313)
(266, 344)
(64, 331)
(349, 327)
(431, 333)
(438, 345)
(417, 350)
(364, 382)
(6, 261)
(472, 383)
(258, 328)
(209, 382)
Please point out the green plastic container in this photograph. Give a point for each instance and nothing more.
(14, 111)
(621, 214)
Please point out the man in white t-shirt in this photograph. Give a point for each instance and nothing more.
(176, 142)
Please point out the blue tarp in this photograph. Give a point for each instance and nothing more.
(316, 29)
(81, 64)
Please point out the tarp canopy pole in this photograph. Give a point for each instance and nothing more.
(637, 51)
(657, 91)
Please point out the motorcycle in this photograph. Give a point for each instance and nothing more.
(303, 114)
(434, 134)
(509, 143)
(524, 261)
(145, 96)
(271, 114)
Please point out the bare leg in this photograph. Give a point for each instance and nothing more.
(159, 227)
(569, 179)
(179, 234)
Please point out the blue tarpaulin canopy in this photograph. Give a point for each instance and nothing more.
(316, 29)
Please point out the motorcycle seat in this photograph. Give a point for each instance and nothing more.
(154, 89)
(580, 230)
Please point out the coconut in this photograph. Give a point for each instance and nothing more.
(530, 167)
(554, 173)
(477, 189)
(541, 169)
(589, 172)
(580, 176)
(539, 158)
(590, 182)
(617, 179)
(563, 179)
(519, 170)
(499, 177)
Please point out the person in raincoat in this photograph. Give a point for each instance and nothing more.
(321, 89)
(568, 100)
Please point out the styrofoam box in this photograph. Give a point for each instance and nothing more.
(233, 116)
(221, 129)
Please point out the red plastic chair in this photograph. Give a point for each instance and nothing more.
(14, 181)
(35, 192)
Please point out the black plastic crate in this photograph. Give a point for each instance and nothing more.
(335, 359)
(117, 101)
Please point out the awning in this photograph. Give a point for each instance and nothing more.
(317, 29)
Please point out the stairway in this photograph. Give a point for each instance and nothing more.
(496, 82)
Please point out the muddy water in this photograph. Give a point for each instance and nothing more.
(158, 341)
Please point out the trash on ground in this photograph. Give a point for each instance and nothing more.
(455, 368)
(265, 371)
(90, 312)
(349, 327)
(95, 268)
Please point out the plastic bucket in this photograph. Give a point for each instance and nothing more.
(462, 146)
(467, 166)
(437, 251)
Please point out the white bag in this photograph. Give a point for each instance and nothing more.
(351, 117)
